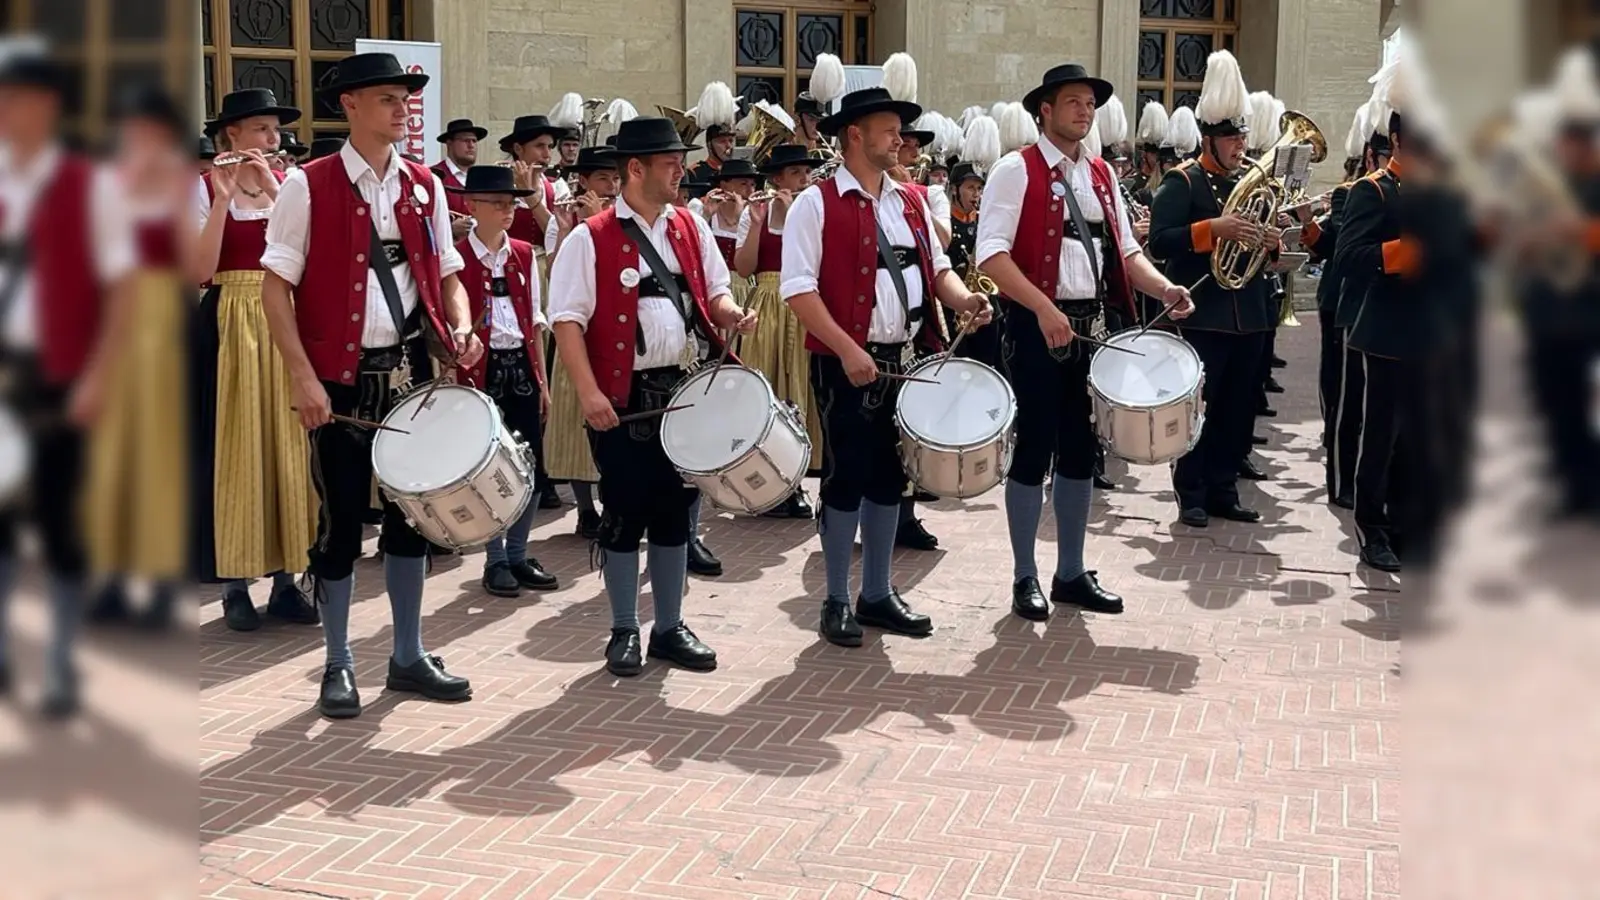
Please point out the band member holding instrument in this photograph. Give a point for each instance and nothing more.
(966, 191)
(862, 302)
(357, 262)
(254, 507)
(1057, 283)
(66, 254)
(502, 287)
(778, 347)
(634, 293)
(460, 139)
(1229, 328)
(912, 143)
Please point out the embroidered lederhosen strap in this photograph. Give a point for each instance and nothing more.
(652, 389)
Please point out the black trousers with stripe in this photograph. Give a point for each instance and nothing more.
(1345, 432)
(1381, 470)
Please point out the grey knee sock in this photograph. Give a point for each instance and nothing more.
(8, 574)
(838, 547)
(908, 509)
(335, 597)
(583, 493)
(878, 525)
(1069, 497)
(694, 518)
(1024, 503)
(621, 574)
(403, 576)
(669, 567)
(66, 609)
(241, 585)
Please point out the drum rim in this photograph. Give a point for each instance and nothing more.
(1006, 423)
(497, 428)
(772, 403)
(1150, 407)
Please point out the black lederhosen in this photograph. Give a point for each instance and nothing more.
(341, 470)
(50, 497)
(508, 378)
(1052, 390)
(641, 489)
(860, 442)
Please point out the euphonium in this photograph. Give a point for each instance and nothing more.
(688, 128)
(767, 131)
(1258, 197)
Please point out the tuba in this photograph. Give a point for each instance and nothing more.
(688, 128)
(1258, 197)
(767, 130)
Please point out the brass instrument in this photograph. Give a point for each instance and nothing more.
(919, 169)
(1533, 194)
(1257, 197)
(591, 121)
(688, 128)
(767, 131)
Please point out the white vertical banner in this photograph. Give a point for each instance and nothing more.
(423, 121)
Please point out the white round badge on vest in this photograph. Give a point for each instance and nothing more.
(420, 192)
(630, 278)
(1057, 188)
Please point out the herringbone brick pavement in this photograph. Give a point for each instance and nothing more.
(1231, 737)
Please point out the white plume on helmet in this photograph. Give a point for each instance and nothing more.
(1112, 120)
(620, 111)
(1265, 113)
(1574, 86)
(827, 79)
(981, 146)
(1355, 142)
(1153, 123)
(716, 106)
(1014, 122)
(996, 109)
(1092, 146)
(569, 112)
(970, 113)
(1223, 96)
(1183, 131)
(900, 77)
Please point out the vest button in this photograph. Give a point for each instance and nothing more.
(861, 203)
(621, 346)
(865, 270)
(858, 327)
(616, 373)
(1050, 232)
(345, 375)
(355, 317)
(360, 211)
(1048, 258)
(416, 256)
(866, 242)
(361, 285)
(361, 257)
(622, 317)
(349, 346)
(627, 248)
(861, 298)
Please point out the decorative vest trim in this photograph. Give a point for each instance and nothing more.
(67, 294)
(520, 274)
(1039, 230)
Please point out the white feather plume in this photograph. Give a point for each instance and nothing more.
(569, 112)
(1113, 121)
(716, 106)
(1355, 141)
(900, 77)
(970, 113)
(827, 79)
(953, 136)
(620, 111)
(742, 127)
(1183, 131)
(1265, 111)
(1014, 121)
(996, 109)
(1091, 142)
(1223, 96)
(1575, 87)
(1153, 123)
(1030, 127)
(981, 146)
(1537, 115)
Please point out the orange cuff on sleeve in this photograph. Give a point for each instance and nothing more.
(1200, 234)
(1309, 234)
(1591, 236)
(1401, 257)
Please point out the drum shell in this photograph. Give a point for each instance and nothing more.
(766, 473)
(1149, 434)
(959, 471)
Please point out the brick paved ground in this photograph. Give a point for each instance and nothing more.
(1232, 736)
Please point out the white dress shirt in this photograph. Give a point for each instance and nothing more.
(505, 332)
(455, 170)
(1002, 208)
(939, 205)
(802, 253)
(202, 205)
(572, 285)
(111, 237)
(289, 237)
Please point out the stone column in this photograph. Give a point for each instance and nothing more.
(707, 47)
(463, 31)
(1119, 52)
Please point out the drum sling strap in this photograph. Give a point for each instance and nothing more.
(1081, 225)
(14, 264)
(889, 260)
(378, 260)
(669, 284)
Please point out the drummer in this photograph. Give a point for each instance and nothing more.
(1056, 288)
(623, 291)
(502, 284)
(831, 266)
(341, 346)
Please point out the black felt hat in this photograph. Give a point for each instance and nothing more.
(490, 180)
(964, 172)
(326, 147)
(249, 103)
(462, 126)
(33, 70)
(592, 159)
(364, 70)
(865, 102)
(1067, 73)
(735, 168)
(151, 102)
(647, 136)
(924, 139)
(785, 155)
(526, 128)
(206, 149)
(289, 142)
(807, 105)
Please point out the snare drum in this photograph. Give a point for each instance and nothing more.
(460, 476)
(742, 448)
(15, 454)
(1147, 409)
(956, 436)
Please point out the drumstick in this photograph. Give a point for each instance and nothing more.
(1102, 344)
(352, 420)
(727, 345)
(1168, 308)
(963, 327)
(634, 417)
(895, 376)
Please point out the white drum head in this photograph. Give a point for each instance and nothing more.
(448, 440)
(969, 405)
(14, 452)
(1168, 370)
(723, 424)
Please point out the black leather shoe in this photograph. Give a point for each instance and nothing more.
(1344, 501)
(1104, 483)
(892, 614)
(1267, 411)
(5, 679)
(679, 645)
(548, 498)
(800, 507)
(427, 677)
(701, 561)
(159, 614)
(339, 698)
(1279, 362)
(839, 624)
(588, 525)
(532, 576)
(1028, 600)
(1085, 592)
(499, 582)
(913, 536)
(921, 496)
(239, 613)
(1194, 517)
(1259, 440)
(1234, 513)
(1272, 386)
(111, 605)
(1380, 556)
(1249, 471)
(290, 605)
(623, 657)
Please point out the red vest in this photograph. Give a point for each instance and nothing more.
(331, 299)
(243, 243)
(456, 202)
(1039, 226)
(524, 227)
(611, 332)
(67, 293)
(520, 275)
(848, 277)
(769, 252)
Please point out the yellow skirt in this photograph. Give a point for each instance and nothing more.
(136, 496)
(266, 507)
(777, 350)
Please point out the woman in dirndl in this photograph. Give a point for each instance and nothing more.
(724, 209)
(777, 349)
(255, 509)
